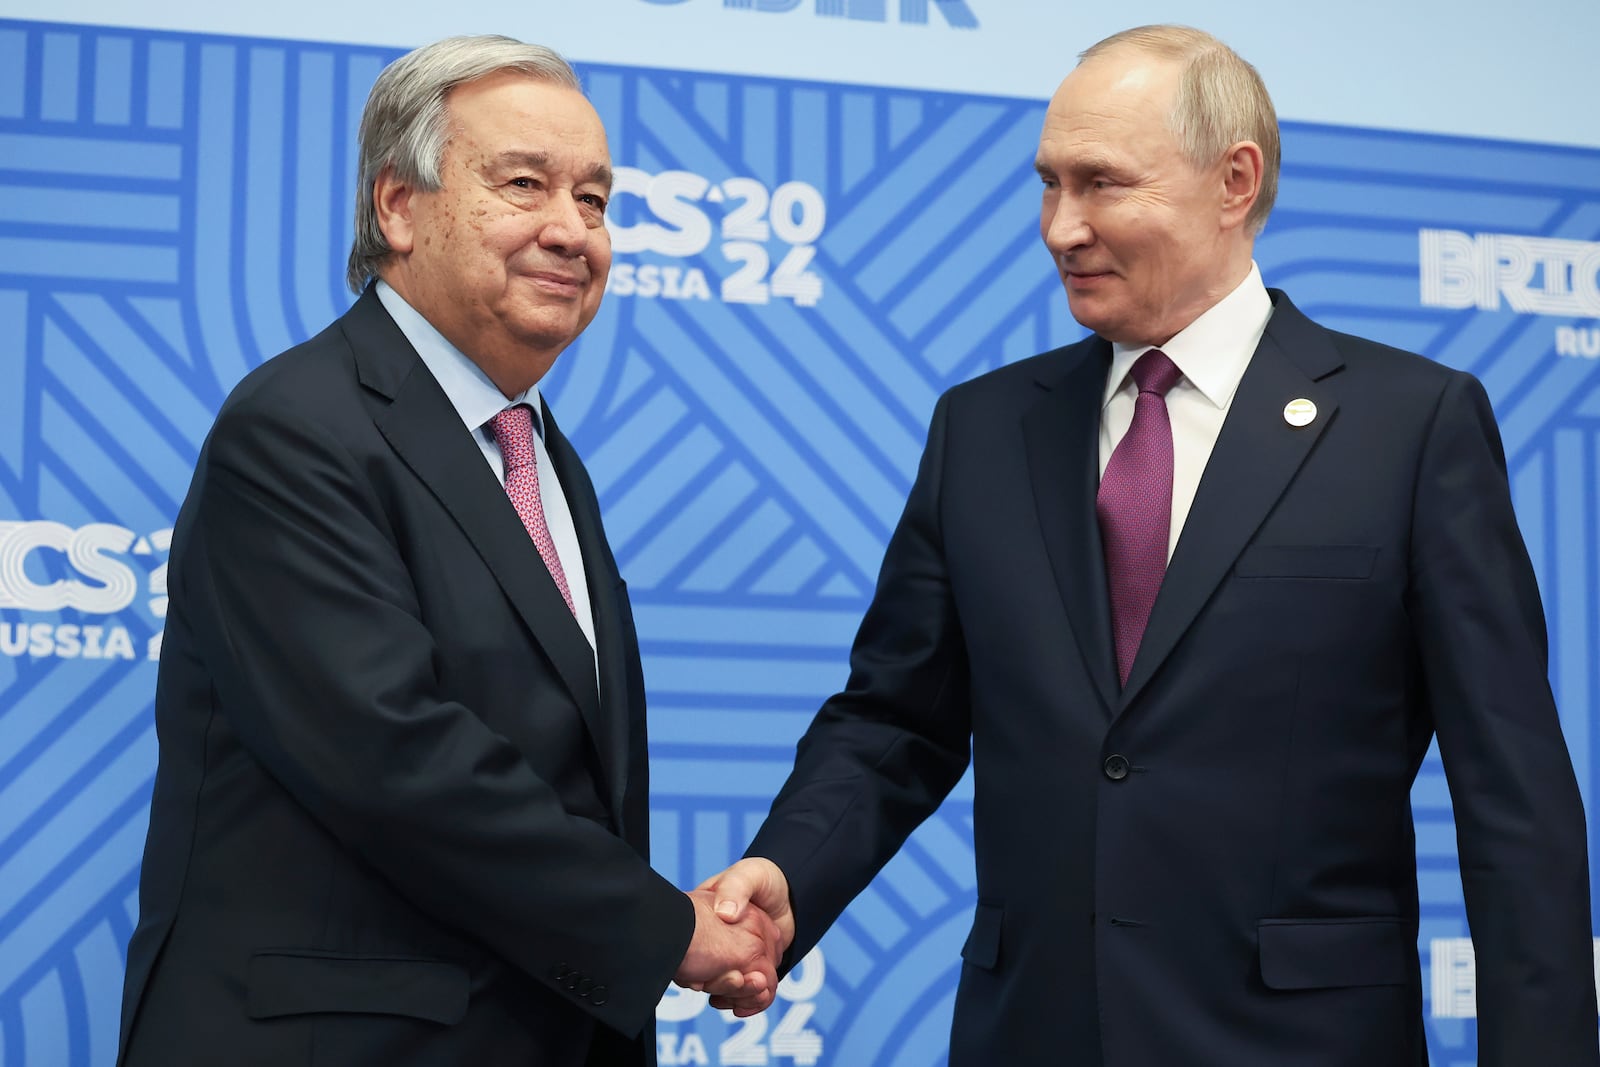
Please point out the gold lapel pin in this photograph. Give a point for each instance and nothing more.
(1299, 412)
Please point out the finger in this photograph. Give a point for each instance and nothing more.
(743, 1007)
(744, 1011)
(710, 883)
(731, 983)
(728, 1002)
(733, 890)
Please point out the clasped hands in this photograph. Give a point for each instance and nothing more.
(742, 925)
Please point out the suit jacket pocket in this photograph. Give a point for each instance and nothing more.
(297, 982)
(1349, 562)
(1329, 953)
(983, 943)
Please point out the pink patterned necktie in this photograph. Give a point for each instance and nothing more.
(1135, 507)
(513, 432)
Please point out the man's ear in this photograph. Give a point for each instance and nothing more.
(1241, 182)
(391, 200)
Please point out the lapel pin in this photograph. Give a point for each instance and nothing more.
(1299, 412)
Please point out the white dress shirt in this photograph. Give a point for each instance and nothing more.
(477, 400)
(1212, 352)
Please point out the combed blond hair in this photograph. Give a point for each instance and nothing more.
(1221, 101)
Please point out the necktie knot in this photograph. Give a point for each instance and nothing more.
(513, 432)
(1155, 373)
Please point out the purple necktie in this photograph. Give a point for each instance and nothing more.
(513, 432)
(1135, 507)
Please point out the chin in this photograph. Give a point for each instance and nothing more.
(1090, 319)
(547, 330)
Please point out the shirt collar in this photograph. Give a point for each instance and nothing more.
(1213, 350)
(475, 398)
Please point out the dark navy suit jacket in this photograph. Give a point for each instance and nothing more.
(396, 819)
(1215, 864)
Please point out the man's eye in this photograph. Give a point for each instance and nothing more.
(594, 200)
(523, 183)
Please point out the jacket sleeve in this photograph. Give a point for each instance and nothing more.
(1519, 818)
(306, 616)
(880, 756)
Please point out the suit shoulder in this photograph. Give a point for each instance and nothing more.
(1400, 372)
(299, 377)
(1024, 374)
(1363, 351)
(1374, 368)
(306, 399)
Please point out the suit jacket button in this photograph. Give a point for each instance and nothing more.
(572, 979)
(597, 995)
(584, 987)
(1116, 767)
(560, 972)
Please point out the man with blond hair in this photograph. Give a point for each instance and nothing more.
(401, 810)
(1193, 596)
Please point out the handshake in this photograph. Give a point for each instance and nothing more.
(742, 925)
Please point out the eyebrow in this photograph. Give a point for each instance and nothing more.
(1088, 162)
(599, 174)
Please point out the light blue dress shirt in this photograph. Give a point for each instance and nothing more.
(477, 400)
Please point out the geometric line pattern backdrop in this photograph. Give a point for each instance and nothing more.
(801, 269)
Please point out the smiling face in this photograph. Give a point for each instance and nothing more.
(508, 258)
(1144, 241)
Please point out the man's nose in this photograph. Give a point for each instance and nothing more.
(1064, 227)
(564, 228)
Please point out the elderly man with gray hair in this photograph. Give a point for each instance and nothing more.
(401, 813)
(1193, 596)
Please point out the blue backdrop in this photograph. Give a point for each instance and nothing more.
(802, 267)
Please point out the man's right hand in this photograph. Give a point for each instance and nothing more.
(736, 959)
(753, 886)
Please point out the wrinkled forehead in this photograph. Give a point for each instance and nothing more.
(515, 113)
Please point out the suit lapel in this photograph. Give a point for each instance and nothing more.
(612, 726)
(424, 430)
(1062, 438)
(1255, 458)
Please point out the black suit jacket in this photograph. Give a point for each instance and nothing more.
(396, 819)
(1215, 864)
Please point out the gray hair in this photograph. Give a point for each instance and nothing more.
(1221, 101)
(406, 124)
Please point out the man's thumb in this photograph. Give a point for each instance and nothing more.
(732, 892)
